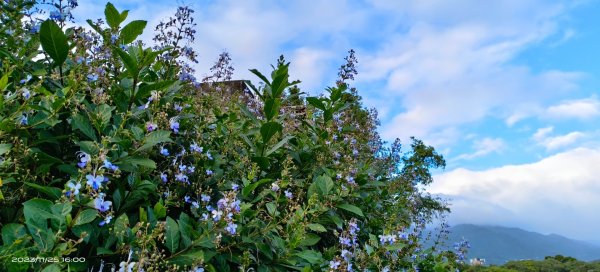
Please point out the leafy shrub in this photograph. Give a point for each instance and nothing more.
(113, 153)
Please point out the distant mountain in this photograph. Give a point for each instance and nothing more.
(501, 244)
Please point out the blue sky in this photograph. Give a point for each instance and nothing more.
(507, 90)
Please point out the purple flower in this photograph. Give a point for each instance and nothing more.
(204, 216)
(74, 187)
(231, 227)
(334, 264)
(186, 199)
(209, 156)
(151, 127)
(105, 221)
(177, 107)
(209, 172)
(274, 187)
(23, 121)
(174, 126)
(191, 169)
(92, 77)
(113, 38)
(195, 148)
(101, 205)
(84, 158)
(164, 151)
(26, 93)
(205, 198)
(181, 177)
(288, 194)
(235, 187)
(109, 165)
(182, 167)
(216, 215)
(195, 204)
(94, 181)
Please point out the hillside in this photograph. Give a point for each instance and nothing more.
(501, 244)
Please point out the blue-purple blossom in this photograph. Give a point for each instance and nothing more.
(181, 177)
(235, 186)
(288, 194)
(100, 204)
(334, 264)
(216, 215)
(195, 204)
(94, 181)
(163, 177)
(57, 15)
(26, 93)
(34, 29)
(205, 198)
(274, 187)
(191, 169)
(113, 38)
(186, 199)
(174, 125)
(231, 227)
(204, 216)
(23, 121)
(177, 107)
(209, 156)
(109, 165)
(182, 167)
(164, 151)
(84, 158)
(198, 269)
(92, 77)
(105, 221)
(209, 172)
(73, 187)
(195, 148)
(151, 127)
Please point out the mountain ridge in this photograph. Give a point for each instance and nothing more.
(499, 244)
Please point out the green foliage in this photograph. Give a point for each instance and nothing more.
(113, 152)
(556, 263)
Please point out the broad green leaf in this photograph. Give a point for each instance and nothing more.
(4, 81)
(247, 190)
(321, 186)
(159, 210)
(310, 239)
(89, 147)
(12, 232)
(38, 209)
(54, 42)
(103, 113)
(136, 162)
(132, 30)
(267, 130)
(311, 256)
(351, 208)
(172, 235)
(4, 148)
(316, 102)
(186, 229)
(272, 208)
(83, 124)
(85, 217)
(317, 227)
(271, 108)
(278, 145)
(113, 17)
(188, 257)
(155, 137)
(129, 62)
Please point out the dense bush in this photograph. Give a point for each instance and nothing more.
(113, 153)
(556, 263)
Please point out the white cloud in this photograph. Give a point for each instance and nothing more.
(484, 147)
(559, 194)
(542, 137)
(580, 109)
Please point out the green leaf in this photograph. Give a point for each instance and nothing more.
(321, 186)
(159, 210)
(136, 162)
(278, 145)
(317, 227)
(129, 62)
(311, 256)
(12, 232)
(187, 258)
(85, 217)
(155, 137)
(248, 189)
(316, 102)
(4, 148)
(121, 226)
(37, 209)
(89, 147)
(271, 108)
(52, 268)
(351, 208)
(131, 31)
(272, 208)
(310, 239)
(113, 17)
(395, 246)
(4, 82)
(172, 235)
(83, 124)
(267, 130)
(54, 42)
(103, 113)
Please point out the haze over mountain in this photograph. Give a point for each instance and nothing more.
(501, 244)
